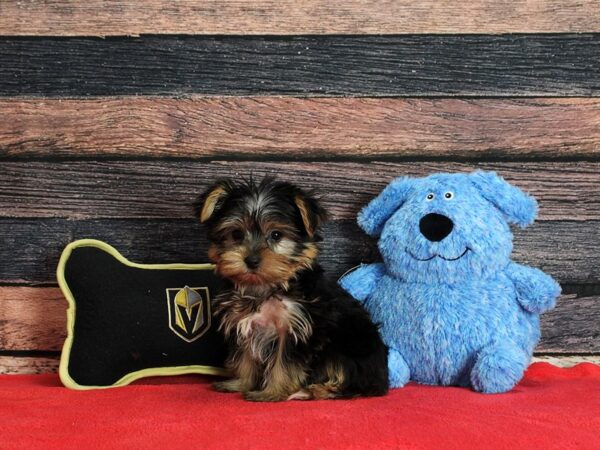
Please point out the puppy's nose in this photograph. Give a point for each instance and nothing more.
(435, 227)
(252, 261)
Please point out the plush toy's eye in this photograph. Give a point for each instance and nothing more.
(276, 235)
(430, 197)
(448, 195)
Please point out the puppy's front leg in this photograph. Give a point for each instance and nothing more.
(233, 385)
(281, 380)
(245, 371)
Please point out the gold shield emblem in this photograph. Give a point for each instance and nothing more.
(189, 312)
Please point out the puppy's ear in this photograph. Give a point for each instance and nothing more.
(313, 215)
(517, 206)
(373, 217)
(212, 200)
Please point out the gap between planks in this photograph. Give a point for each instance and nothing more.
(286, 17)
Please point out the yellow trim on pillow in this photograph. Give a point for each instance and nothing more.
(65, 377)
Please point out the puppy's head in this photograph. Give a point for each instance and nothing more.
(260, 233)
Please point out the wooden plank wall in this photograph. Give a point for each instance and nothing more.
(114, 115)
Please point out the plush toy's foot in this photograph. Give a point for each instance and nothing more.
(399, 371)
(498, 368)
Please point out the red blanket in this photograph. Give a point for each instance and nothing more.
(551, 408)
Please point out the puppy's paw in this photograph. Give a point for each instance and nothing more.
(264, 396)
(234, 385)
(302, 394)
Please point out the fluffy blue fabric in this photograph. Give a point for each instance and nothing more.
(454, 309)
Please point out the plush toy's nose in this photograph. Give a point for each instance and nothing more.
(435, 227)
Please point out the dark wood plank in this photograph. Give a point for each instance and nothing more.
(166, 189)
(28, 365)
(414, 65)
(573, 326)
(123, 17)
(570, 328)
(570, 251)
(275, 127)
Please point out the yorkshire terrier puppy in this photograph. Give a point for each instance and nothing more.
(292, 334)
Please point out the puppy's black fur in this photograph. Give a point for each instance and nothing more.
(293, 335)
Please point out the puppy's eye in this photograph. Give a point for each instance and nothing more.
(237, 235)
(430, 197)
(275, 235)
(448, 195)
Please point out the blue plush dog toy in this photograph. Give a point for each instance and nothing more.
(454, 308)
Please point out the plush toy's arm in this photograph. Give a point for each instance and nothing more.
(536, 291)
(361, 282)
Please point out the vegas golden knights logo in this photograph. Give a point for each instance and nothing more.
(189, 312)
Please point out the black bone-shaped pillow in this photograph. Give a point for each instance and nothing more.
(127, 321)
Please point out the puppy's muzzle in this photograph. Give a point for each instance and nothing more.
(435, 227)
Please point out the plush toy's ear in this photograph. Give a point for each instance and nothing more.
(517, 206)
(212, 200)
(313, 215)
(372, 218)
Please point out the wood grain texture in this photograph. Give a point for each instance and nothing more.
(32, 318)
(166, 189)
(570, 251)
(573, 326)
(28, 365)
(284, 17)
(283, 127)
(569, 328)
(413, 65)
